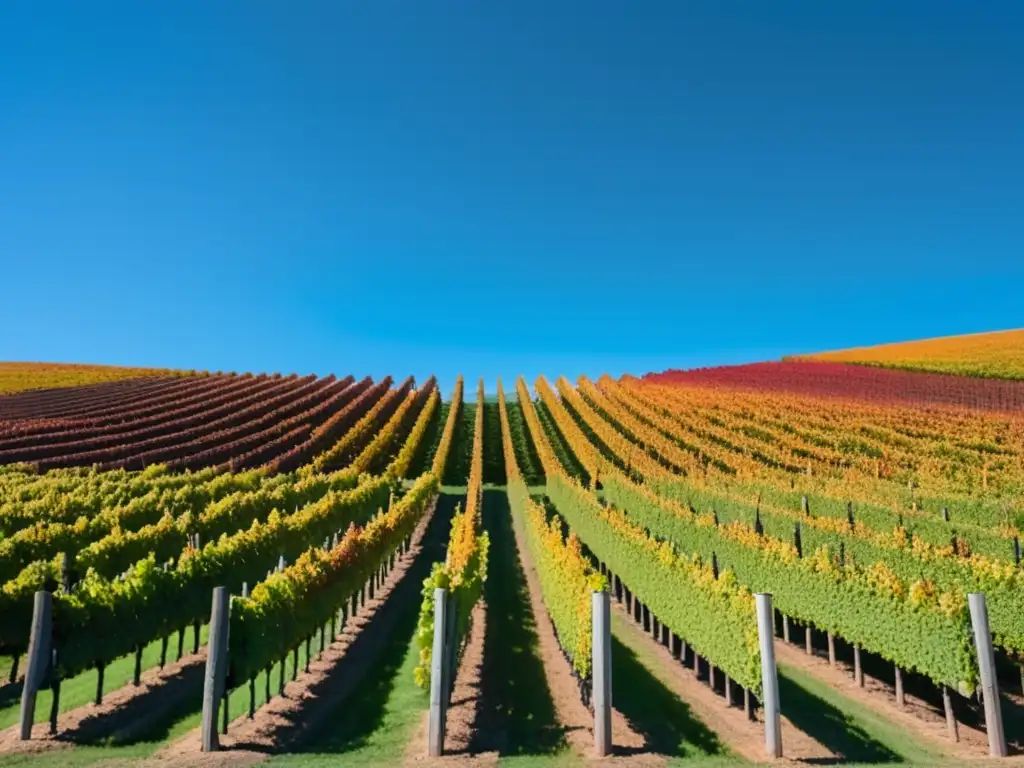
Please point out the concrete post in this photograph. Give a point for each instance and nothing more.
(769, 676)
(987, 668)
(438, 696)
(216, 667)
(602, 666)
(39, 658)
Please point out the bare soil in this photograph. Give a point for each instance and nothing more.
(464, 708)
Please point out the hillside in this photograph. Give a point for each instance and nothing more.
(997, 355)
(18, 377)
(331, 518)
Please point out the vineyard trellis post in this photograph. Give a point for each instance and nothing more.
(769, 675)
(438, 693)
(601, 647)
(987, 668)
(216, 667)
(39, 659)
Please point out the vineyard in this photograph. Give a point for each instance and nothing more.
(801, 561)
(997, 355)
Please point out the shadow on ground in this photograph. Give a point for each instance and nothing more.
(516, 714)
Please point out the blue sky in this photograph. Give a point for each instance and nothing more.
(496, 188)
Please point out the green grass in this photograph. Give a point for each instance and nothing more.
(559, 445)
(456, 470)
(424, 456)
(80, 757)
(650, 705)
(494, 454)
(525, 450)
(81, 689)
(374, 725)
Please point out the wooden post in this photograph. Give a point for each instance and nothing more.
(602, 671)
(748, 705)
(899, 686)
(987, 668)
(785, 627)
(224, 713)
(55, 694)
(947, 704)
(438, 696)
(728, 690)
(216, 667)
(137, 674)
(39, 659)
(831, 649)
(809, 639)
(769, 676)
(711, 675)
(858, 670)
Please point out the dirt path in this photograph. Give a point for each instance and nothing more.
(464, 708)
(918, 717)
(576, 719)
(310, 698)
(743, 737)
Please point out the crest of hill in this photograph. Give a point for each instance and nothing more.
(994, 355)
(20, 376)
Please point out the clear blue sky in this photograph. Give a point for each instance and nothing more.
(496, 188)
